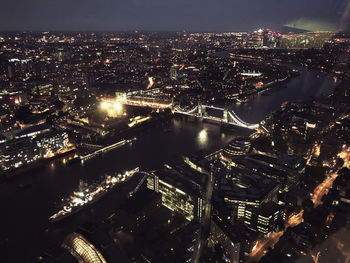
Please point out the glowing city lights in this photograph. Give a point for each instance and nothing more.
(105, 105)
(113, 108)
(117, 106)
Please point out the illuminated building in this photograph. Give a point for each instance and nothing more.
(179, 193)
(18, 152)
(32, 131)
(242, 190)
(151, 102)
(82, 250)
(310, 131)
(113, 108)
(237, 147)
(252, 199)
(255, 39)
(120, 96)
(52, 142)
(43, 89)
(305, 40)
(264, 219)
(286, 170)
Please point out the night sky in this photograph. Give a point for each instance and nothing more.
(171, 15)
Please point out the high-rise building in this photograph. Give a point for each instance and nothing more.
(264, 219)
(243, 190)
(255, 39)
(262, 38)
(179, 193)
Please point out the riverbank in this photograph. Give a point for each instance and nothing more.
(8, 175)
(307, 85)
(271, 86)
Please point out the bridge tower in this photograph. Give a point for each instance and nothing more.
(200, 109)
(225, 115)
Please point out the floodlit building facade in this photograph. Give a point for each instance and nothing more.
(179, 194)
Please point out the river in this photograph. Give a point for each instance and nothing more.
(308, 84)
(25, 229)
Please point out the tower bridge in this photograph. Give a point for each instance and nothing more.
(228, 117)
(199, 111)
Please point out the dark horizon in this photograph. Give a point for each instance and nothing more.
(283, 30)
(203, 16)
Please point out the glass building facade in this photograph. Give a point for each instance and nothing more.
(82, 250)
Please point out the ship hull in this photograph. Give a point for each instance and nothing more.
(94, 200)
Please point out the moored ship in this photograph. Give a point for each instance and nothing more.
(86, 194)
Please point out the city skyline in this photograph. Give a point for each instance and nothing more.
(174, 131)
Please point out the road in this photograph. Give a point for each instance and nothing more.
(323, 189)
(262, 246)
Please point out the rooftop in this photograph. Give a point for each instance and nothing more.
(30, 131)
